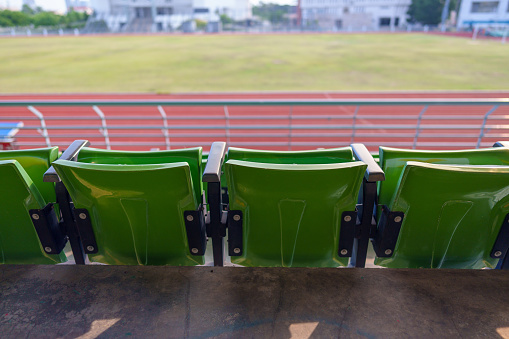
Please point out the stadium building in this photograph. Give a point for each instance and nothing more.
(353, 14)
(483, 13)
(165, 15)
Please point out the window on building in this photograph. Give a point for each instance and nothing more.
(484, 7)
(396, 22)
(385, 21)
(201, 10)
(164, 10)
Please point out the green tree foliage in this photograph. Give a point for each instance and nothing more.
(225, 19)
(200, 24)
(46, 19)
(427, 12)
(273, 12)
(28, 16)
(12, 18)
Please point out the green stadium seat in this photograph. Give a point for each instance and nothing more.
(29, 228)
(393, 161)
(302, 203)
(138, 208)
(290, 214)
(35, 162)
(449, 208)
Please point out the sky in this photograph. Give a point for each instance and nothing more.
(59, 5)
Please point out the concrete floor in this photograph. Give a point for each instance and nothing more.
(231, 302)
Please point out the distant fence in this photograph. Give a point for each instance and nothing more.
(266, 124)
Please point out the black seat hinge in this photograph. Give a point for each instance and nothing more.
(234, 222)
(347, 233)
(501, 246)
(387, 233)
(46, 224)
(195, 229)
(85, 229)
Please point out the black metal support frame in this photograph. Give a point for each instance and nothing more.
(48, 229)
(216, 225)
(68, 221)
(500, 249)
(365, 211)
(196, 230)
(235, 242)
(385, 236)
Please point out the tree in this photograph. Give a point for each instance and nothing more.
(12, 18)
(46, 19)
(200, 24)
(28, 10)
(427, 12)
(272, 12)
(225, 19)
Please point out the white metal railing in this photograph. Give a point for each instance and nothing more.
(419, 123)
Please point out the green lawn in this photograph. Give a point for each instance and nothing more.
(168, 64)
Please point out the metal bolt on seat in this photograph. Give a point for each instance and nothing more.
(189, 218)
(35, 217)
(83, 216)
(347, 218)
(344, 251)
(498, 254)
(236, 217)
(47, 249)
(194, 250)
(236, 250)
(397, 219)
(90, 248)
(388, 251)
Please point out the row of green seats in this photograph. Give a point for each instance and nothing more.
(307, 208)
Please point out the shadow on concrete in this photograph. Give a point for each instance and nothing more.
(201, 302)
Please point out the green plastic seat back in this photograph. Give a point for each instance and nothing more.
(452, 215)
(393, 160)
(136, 211)
(35, 162)
(193, 156)
(292, 213)
(319, 156)
(19, 243)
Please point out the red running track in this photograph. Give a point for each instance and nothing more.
(267, 138)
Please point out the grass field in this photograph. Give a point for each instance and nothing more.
(169, 64)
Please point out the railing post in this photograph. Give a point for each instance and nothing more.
(354, 121)
(44, 131)
(104, 130)
(165, 130)
(227, 125)
(418, 127)
(483, 127)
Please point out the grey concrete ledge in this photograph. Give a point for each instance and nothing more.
(230, 302)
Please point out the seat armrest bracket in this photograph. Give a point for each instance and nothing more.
(235, 245)
(86, 231)
(387, 233)
(195, 228)
(347, 233)
(46, 224)
(501, 246)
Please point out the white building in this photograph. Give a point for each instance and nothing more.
(483, 13)
(354, 14)
(164, 15)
